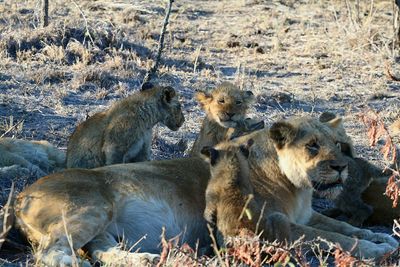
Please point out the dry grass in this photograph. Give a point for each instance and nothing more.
(298, 57)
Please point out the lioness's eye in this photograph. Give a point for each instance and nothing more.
(221, 101)
(313, 148)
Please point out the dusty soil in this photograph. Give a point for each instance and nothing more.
(298, 57)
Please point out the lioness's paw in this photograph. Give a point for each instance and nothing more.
(60, 258)
(384, 249)
(384, 238)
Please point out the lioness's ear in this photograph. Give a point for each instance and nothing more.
(327, 116)
(210, 154)
(245, 148)
(282, 133)
(248, 96)
(203, 98)
(167, 94)
(147, 86)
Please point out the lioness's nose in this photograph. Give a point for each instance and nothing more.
(230, 115)
(339, 167)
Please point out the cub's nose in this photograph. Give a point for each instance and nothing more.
(230, 115)
(337, 166)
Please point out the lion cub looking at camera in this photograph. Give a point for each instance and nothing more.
(123, 133)
(225, 108)
(230, 203)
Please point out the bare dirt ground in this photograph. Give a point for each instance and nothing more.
(298, 57)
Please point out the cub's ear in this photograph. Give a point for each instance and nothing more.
(147, 86)
(245, 149)
(210, 154)
(331, 119)
(167, 94)
(203, 98)
(327, 116)
(282, 133)
(248, 97)
(335, 123)
(254, 126)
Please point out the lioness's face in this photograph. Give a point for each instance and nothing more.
(226, 105)
(171, 108)
(310, 155)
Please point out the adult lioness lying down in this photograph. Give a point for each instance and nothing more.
(97, 207)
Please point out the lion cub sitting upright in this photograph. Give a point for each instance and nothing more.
(230, 202)
(123, 133)
(225, 108)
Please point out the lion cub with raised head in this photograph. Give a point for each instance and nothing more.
(230, 202)
(123, 133)
(225, 108)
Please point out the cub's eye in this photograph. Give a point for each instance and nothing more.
(345, 148)
(313, 148)
(238, 102)
(221, 101)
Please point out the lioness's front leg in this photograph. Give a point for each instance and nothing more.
(325, 223)
(359, 248)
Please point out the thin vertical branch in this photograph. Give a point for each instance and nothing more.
(45, 13)
(153, 70)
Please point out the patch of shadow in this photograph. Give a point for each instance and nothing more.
(5, 77)
(186, 65)
(231, 71)
(285, 101)
(196, 14)
(101, 37)
(24, 11)
(76, 98)
(162, 149)
(394, 87)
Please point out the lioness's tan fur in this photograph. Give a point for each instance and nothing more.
(38, 156)
(225, 109)
(132, 200)
(123, 133)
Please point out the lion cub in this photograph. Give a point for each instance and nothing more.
(123, 133)
(230, 202)
(225, 108)
(362, 199)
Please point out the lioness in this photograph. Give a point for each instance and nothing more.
(94, 208)
(123, 133)
(225, 108)
(38, 156)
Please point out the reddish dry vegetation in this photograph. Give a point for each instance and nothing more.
(298, 57)
(377, 130)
